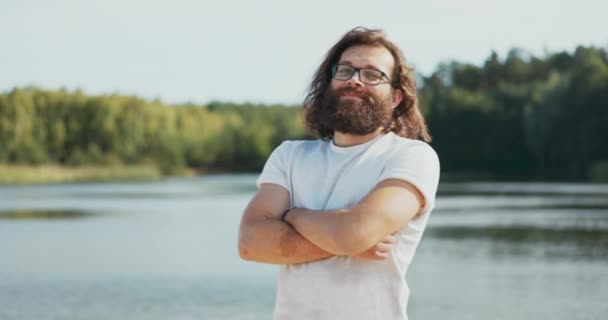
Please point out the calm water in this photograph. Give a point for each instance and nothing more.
(167, 250)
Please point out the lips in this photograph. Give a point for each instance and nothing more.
(350, 96)
(351, 93)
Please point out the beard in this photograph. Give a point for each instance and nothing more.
(354, 116)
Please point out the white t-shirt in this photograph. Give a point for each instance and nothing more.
(322, 176)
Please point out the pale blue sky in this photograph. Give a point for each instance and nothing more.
(261, 51)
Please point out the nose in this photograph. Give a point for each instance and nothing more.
(355, 79)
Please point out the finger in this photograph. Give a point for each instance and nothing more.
(378, 255)
(383, 247)
(389, 239)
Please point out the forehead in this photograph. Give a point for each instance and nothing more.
(369, 56)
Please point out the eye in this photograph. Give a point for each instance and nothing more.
(344, 71)
(371, 74)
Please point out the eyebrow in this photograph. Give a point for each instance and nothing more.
(368, 66)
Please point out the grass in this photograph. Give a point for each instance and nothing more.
(42, 214)
(27, 174)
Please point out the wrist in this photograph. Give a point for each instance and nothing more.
(290, 216)
(284, 215)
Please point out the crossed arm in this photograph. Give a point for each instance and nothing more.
(309, 235)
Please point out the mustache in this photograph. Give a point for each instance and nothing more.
(358, 92)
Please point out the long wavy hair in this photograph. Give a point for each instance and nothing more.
(407, 120)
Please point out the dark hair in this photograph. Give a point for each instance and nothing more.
(407, 121)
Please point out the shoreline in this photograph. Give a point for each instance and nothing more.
(56, 174)
(14, 175)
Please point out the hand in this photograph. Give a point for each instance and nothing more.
(380, 250)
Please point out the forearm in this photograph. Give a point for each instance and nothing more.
(386, 209)
(270, 240)
(333, 230)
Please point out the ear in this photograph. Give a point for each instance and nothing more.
(397, 97)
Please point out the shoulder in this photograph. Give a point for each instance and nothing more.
(288, 147)
(412, 148)
(277, 167)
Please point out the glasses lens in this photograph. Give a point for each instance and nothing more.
(342, 72)
(371, 76)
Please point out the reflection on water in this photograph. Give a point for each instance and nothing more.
(523, 188)
(524, 234)
(527, 241)
(465, 203)
(167, 250)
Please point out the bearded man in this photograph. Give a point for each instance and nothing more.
(343, 214)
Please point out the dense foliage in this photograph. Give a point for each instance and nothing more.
(39, 127)
(522, 117)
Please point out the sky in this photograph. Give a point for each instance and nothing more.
(197, 51)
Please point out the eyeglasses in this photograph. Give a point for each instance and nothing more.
(368, 76)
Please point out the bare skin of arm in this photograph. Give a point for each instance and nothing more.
(389, 206)
(264, 237)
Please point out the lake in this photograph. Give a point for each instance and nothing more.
(168, 250)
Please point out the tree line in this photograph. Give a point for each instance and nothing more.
(519, 117)
(70, 128)
(522, 116)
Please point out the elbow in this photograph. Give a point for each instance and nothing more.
(246, 254)
(245, 251)
(245, 245)
(246, 241)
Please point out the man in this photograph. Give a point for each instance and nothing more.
(344, 214)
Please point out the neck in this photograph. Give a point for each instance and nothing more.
(349, 140)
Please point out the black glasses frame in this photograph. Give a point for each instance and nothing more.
(334, 69)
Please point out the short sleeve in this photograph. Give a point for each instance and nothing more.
(417, 164)
(275, 169)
